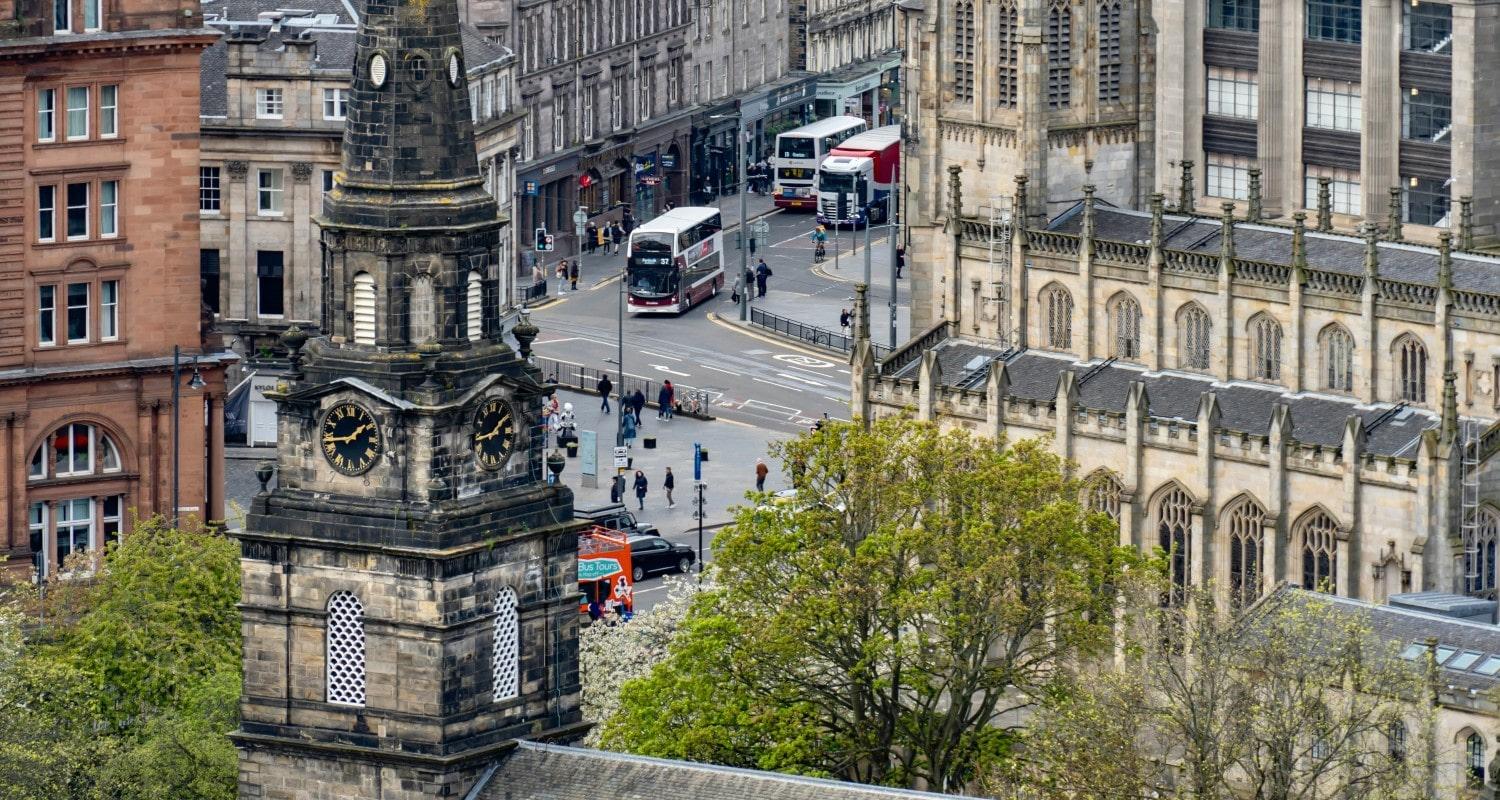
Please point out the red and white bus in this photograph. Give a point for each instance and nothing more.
(798, 154)
(675, 261)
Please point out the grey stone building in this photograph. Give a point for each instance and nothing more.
(852, 44)
(1375, 95)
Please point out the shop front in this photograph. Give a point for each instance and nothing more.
(657, 172)
(547, 195)
(784, 105)
(855, 90)
(712, 152)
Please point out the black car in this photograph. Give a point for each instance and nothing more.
(617, 518)
(652, 554)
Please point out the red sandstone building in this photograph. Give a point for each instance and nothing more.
(99, 273)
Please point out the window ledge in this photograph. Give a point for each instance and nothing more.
(62, 144)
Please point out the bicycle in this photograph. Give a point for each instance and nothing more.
(820, 253)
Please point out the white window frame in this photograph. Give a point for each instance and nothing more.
(46, 114)
(109, 310)
(1233, 93)
(269, 197)
(109, 209)
(109, 111)
(68, 209)
(68, 95)
(46, 210)
(97, 7)
(1344, 190)
(66, 17)
(1333, 105)
(205, 173)
(63, 511)
(46, 315)
(69, 307)
(335, 103)
(1228, 176)
(270, 103)
(49, 464)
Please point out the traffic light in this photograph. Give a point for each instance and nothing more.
(543, 241)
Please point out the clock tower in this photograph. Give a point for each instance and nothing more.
(409, 588)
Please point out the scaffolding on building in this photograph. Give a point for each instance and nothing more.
(1476, 580)
(998, 210)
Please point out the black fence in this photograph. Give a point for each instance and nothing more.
(567, 375)
(529, 294)
(811, 334)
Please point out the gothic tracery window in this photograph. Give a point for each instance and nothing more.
(1194, 331)
(1243, 524)
(1319, 538)
(1010, 56)
(1102, 494)
(1174, 525)
(1059, 316)
(1111, 62)
(1265, 361)
(1412, 356)
(1125, 327)
(1059, 40)
(505, 664)
(1479, 552)
(963, 50)
(1337, 347)
(344, 649)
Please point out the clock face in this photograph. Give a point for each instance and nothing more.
(351, 439)
(494, 433)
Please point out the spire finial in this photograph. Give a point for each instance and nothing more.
(1185, 193)
(955, 191)
(1226, 231)
(1255, 211)
(1299, 246)
(1325, 204)
(1445, 260)
(1393, 222)
(1372, 248)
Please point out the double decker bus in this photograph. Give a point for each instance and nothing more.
(675, 261)
(798, 154)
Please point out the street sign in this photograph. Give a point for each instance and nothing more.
(622, 457)
(697, 462)
(529, 188)
(580, 219)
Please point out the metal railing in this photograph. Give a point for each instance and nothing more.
(527, 294)
(577, 377)
(811, 334)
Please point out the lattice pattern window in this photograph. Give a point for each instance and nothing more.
(1174, 524)
(1343, 190)
(474, 306)
(1194, 331)
(1265, 334)
(1412, 356)
(1334, 105)
(1424, 201)
(1338, 359)
(1010, 56)
(1235, 15)
(1319, 552)
(344, 649)
(1111, 60)
(506, 665)
(1243, 523)
(963, 51)
(1125, 325)
(1479, 553)
(1059, 305)
(1102, 494)
(1228, 176)
(1059, 41)
(1334, 20)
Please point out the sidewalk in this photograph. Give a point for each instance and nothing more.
(729, 472)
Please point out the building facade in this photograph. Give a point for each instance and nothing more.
(852, 43)
(99, 144)
(1374, 95)
(275, 94)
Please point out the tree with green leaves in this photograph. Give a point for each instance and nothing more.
(890, 623)
(123, 679)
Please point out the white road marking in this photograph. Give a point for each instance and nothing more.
(669, 371)
(777, 384)
(818, 384)
(846, 372)
(755, 352)
(765, 406)
(836, 399)
(803, 361)
(661, 355)
(725, 371)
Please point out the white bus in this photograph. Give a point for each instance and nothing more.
(674, 261)
(798, 154)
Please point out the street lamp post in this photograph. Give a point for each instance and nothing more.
(740, 135)
(195, 383)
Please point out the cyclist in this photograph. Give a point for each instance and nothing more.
(819, 237)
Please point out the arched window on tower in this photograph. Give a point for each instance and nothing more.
(1411, 354)
(1111, 62)
(1194, 331)
(474, 307)
(1009, 53)
(344, 649)
(364, 308)
(1101, 493)
(1125, 327)
(963, 50)
(1059, 317)
(1479, 553)
(1243, 522)
(1174, 526)
(1059, 40)
(1337, 348)
(1474, 765)
(1318, 534)
(505, 666)
(1265, 342)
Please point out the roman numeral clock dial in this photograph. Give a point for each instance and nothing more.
(351, 439)
(494, 433)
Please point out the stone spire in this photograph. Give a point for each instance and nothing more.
(1393, 224)
(1299, 247)
(1186, 203)
(1372, 251)
(1088, 213)
(1226, 234)
(1466, 223)
(955, 194)
(1255, 210)
(1325, 204)
(1445, 261)
(408, 154)
(1157, 201)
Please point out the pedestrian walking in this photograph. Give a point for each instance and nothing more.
(638, 400)
(617, 488)
(573, 274)
(900, 260)
(761, 470)
(616, 235)
(739, 286)
(750, 283)
(640, 489)
(628, 426)
(604, 387)
(669, 483)
(762, 272)
(844, 320)
(590, 238)
(664, 398)
(629, 220)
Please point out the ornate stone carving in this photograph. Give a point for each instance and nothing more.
(237, 169)
(301, 171)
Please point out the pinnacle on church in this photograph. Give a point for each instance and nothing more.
(408, 155)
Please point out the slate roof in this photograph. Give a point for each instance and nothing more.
(1326, 251)
(1401, 628)
(1245, 407)
(536, 771)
